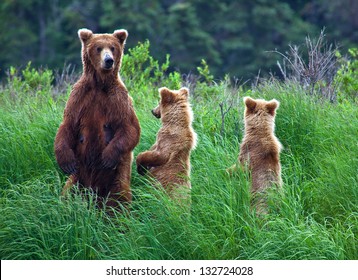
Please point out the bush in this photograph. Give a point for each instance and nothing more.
(314, 69)
(141, 71)
(347, 76)
(30, 81)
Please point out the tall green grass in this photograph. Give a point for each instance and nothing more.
(314, 217)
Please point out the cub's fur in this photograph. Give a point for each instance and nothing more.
(168, 160)
(260, 149)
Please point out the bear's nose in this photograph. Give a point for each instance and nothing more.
(155, 114)
(108, 61)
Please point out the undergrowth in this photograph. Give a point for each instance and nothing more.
(314, 217)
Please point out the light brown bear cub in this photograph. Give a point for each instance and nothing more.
(168, 160)
(260, 149)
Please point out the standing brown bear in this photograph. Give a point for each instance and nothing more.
(168, 160)
(260, 149)
(100, 129)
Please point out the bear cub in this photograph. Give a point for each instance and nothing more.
(100, 129)
(168, 160)
(260, 149)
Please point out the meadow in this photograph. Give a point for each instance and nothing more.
(314, 217)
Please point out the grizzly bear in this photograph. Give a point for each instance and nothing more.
(100, 129)
(168, 160)
(260, 149)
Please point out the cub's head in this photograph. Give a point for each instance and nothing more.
(102, 52)
(260, 109)
(170, 101)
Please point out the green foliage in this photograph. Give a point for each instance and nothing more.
(315, 216)
(31, 81)
(204, 72)
(140, 70)
(234, 37)
(347, 76)
(143, 74)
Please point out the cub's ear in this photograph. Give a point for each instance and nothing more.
(184, 92)
(166, 95)
(121, 35)
(84, 34)
(272, 106)
(250, 103)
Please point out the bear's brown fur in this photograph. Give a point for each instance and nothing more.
(168, 160)
(100, 129)
(260, 149)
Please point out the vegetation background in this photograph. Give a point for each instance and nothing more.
(235, 37)
(314, 217)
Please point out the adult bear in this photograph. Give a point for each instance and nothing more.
(95, 142)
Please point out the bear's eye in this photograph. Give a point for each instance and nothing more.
(99, 49)
(112, 49)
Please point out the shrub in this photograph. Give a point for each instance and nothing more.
(347, 76)
(314, 69)
(140, 69)
(30, 81)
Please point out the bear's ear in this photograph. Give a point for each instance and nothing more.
(272, 106)
(166, 95)
(84, 34)
(121, 35)
(184, 92)
(250, 103)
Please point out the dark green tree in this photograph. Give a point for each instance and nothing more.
(19, 39)
(234, 37)
(186, 39)
(245, 32)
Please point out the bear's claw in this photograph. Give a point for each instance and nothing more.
(109, 164)
(69, 168)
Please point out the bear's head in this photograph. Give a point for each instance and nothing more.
(260, 106)
(102, 52)
(259, 111)
(169, 99)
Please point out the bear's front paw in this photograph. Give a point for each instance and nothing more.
(109, 161)
(69, 167)
(141, 169)
(66, 160)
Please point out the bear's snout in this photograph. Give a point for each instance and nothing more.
(108, 61)
(156, 113)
